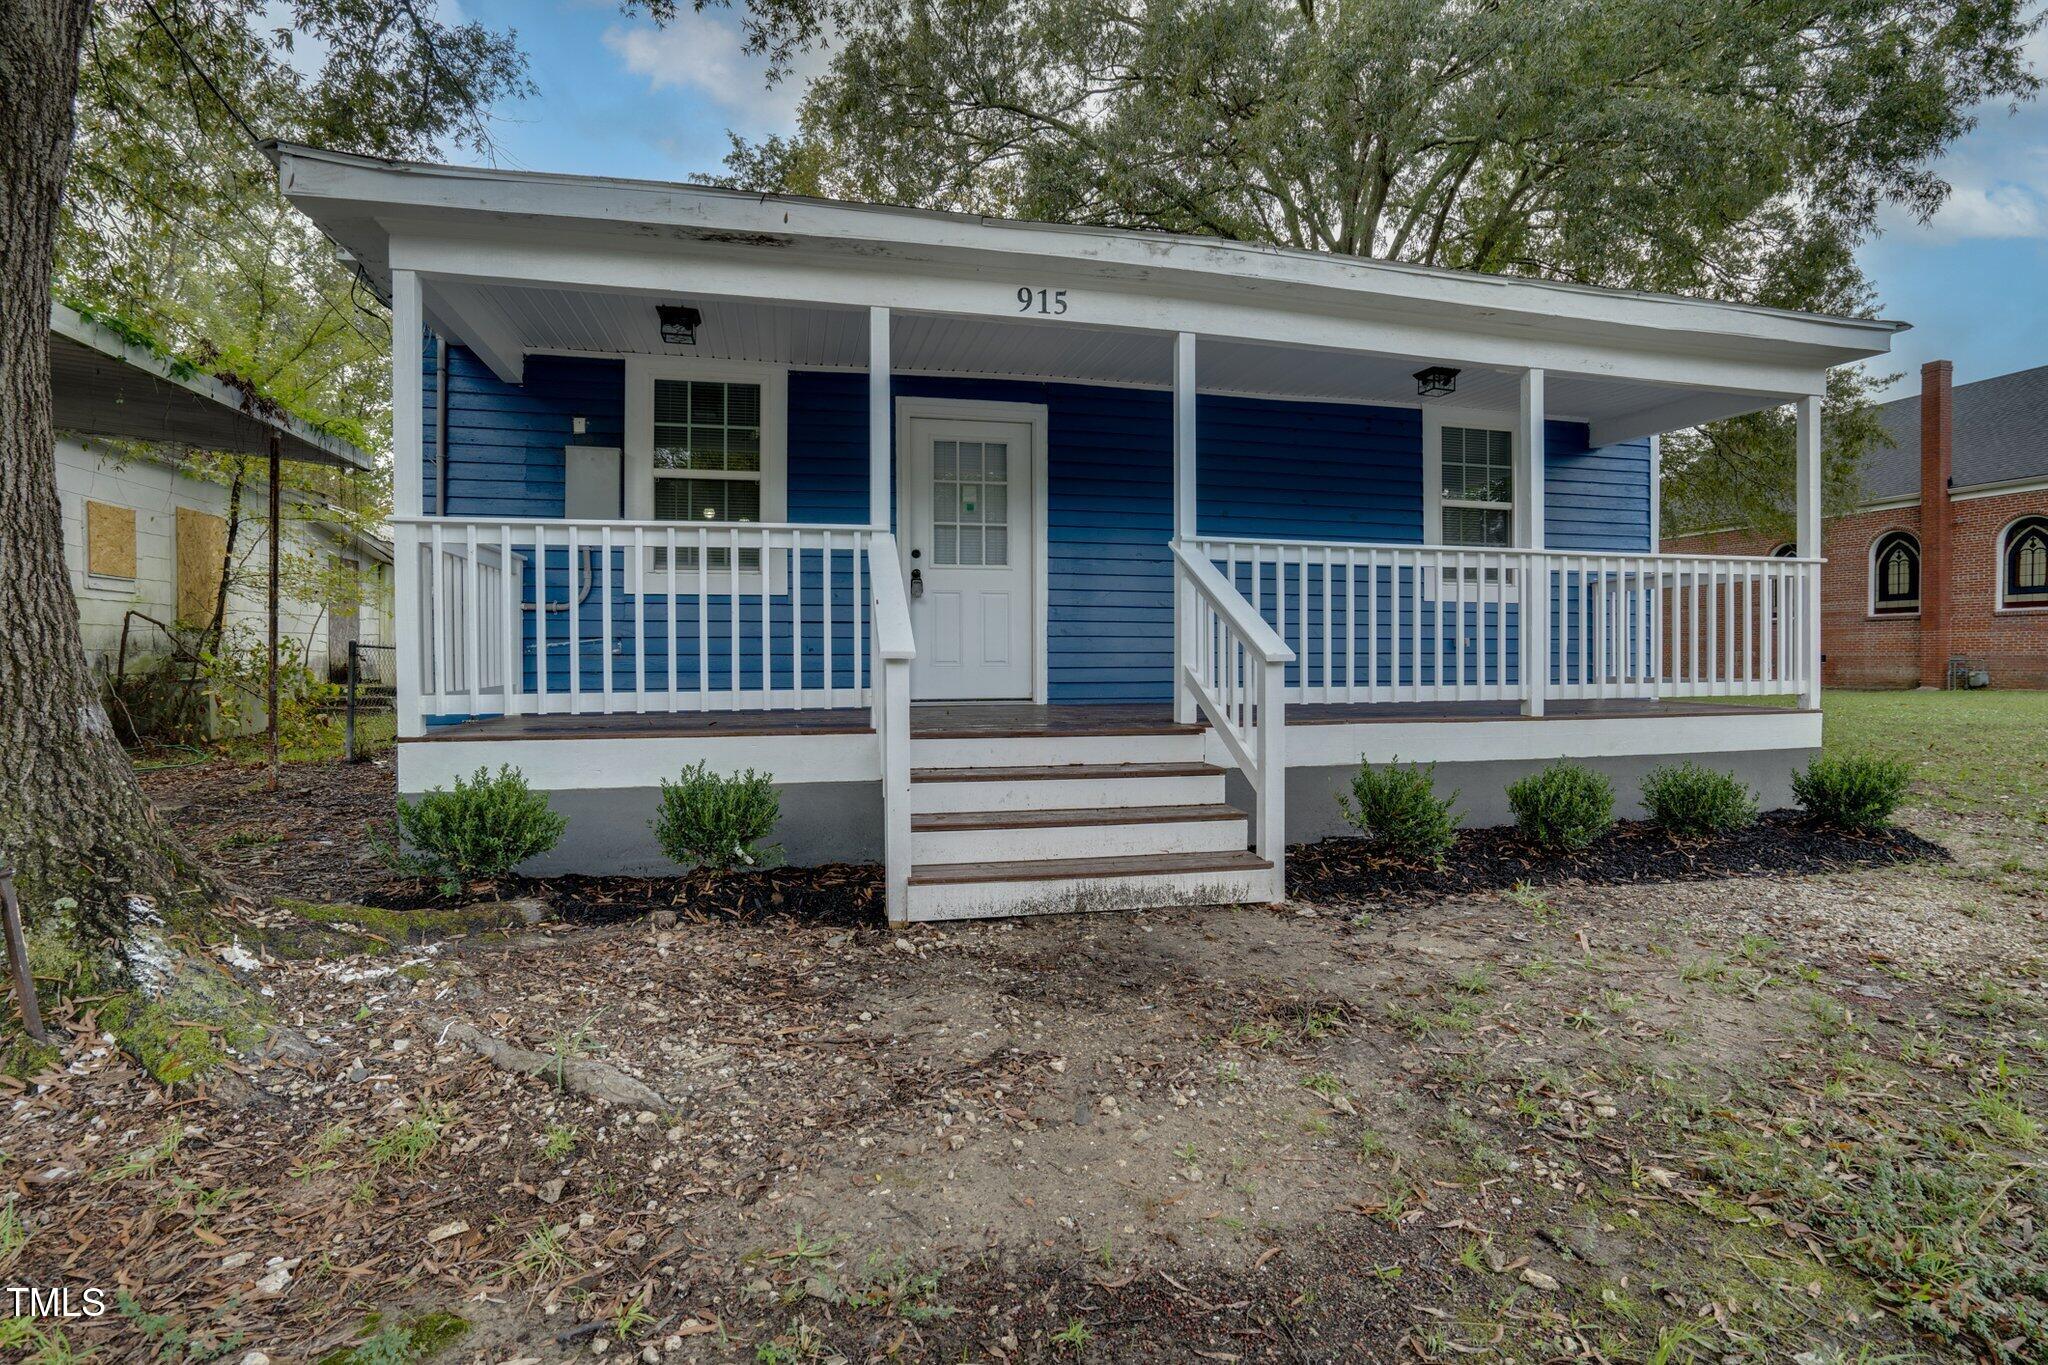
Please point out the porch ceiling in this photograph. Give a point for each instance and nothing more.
(505, 322)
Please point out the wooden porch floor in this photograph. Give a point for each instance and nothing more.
(932, 720)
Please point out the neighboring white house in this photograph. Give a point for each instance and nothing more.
(144, 532)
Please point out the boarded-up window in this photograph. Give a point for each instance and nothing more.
(202, 540)
(109, 540)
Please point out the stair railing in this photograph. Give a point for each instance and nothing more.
(1235, 666)
(891, 649)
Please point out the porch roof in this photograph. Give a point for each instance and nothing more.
(516, 262)
(105, 384)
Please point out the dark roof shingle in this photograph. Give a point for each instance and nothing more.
(2001, 434)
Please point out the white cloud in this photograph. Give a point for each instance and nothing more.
(2003, 209)
(703, 54)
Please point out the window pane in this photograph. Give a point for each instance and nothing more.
(970, 460)
(995, 504)
(945, 502)
(1477, 526)
(743, 448)
(945, 545)
(970, 545)
(996, 461)
(742, 405)
(945, 459)
(707, 404)
(996, 547)
(707, 500)
(671, 402)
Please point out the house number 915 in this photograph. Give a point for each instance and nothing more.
(1047, 301)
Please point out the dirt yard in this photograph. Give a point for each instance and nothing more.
(1745, 1117)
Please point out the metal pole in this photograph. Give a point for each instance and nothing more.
(270, 671)
(17, 958)
(348, 721)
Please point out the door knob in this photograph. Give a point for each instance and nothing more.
(916, 581)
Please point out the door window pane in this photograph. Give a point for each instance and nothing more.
(970, 491)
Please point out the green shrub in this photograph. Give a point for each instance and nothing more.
(711, 821)
(478, 832)
(1686, 798)
(1397, 811)
(1855, 791)
(1564, 808)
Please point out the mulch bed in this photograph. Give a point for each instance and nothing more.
(1783, 843)
(849, 894)
(308, 840)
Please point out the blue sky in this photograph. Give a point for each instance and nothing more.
(619, 96)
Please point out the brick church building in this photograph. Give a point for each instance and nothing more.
(1944, 563)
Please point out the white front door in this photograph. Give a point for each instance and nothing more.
(970, 534)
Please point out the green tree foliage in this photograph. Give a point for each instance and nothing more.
(1735, 151)
(172, 220)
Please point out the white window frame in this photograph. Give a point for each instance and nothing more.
(641, 373)
(1998, 584)
(1870, 575)
(1434, 420)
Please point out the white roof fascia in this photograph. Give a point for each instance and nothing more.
(350, 191)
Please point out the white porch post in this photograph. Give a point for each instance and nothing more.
(1807, 513)
(407, 419)
(1184, 521)
(878, 418)
(1529, 535)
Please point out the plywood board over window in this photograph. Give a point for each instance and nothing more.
(202, 540)
(109, 540)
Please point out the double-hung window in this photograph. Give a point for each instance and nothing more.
(707, 460)
(1477, 486)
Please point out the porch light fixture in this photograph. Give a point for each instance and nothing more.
(1435, 380)
(679, 323)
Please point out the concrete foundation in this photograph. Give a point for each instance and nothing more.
(1482, 787)
(609, 832)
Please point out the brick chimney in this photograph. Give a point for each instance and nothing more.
(1937, 440)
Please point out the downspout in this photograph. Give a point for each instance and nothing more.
(440, 426)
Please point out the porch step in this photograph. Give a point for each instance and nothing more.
(1070, 786)
(1066, 885)
(982, 749)
(1013, 836)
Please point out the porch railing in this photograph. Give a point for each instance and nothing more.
(1234, 664)
(580, 617)
(1408, 623)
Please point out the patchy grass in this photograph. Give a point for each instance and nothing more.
(1971, 752)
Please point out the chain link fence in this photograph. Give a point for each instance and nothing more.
(369, 701)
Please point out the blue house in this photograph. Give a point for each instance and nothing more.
(1052, 567)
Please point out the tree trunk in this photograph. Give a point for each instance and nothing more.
(218, 623)
(71, 814)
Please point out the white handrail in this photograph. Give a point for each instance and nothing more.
(1233, 665)
(893, 639)
(893, 649)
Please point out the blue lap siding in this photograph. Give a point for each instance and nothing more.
(1316, 471)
